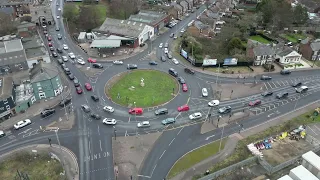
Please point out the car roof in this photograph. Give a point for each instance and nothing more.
(197, 113)
(169, 119)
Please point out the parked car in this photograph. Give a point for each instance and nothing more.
(183, 108)
(282, 95)
(175, 61)
(296, 84)
(95, 116)
(67, 71)
(117, 62)
(189, 71)
(168, 121)
(22, 124)
(108, 109)
(109, 121)
(97, 65)
(285, 72)
(161, 111)
(137, 111)
(263, 77)
(224, 110)
(204, 92)
(79, 90)
(85, 108)
(302, 89)
(65, 47)
(196, 115)
(95, 97)
(88, 86)
(267, 93)
(213, 103)
(153, 63)
(143, 124)
(255, 103)
(47, 112)
(65, 101)
(184, 87)
(132, 66)
(90, 60)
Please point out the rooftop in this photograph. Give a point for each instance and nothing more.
(6, 84)
(43, 71)
(263, 50)
(315, 46)
(10, 46)
(7, 10)
(23, 92)
(23, 26)
(33, 47)
(11, 52)
(38, 11)
(148, 17)
(14, 2)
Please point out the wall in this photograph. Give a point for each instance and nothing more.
(31, 61)
(43, 89)
(24, 105)
(147, 29)
(18, 67)
(306, 51)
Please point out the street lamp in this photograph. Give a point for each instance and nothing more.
(64, 161)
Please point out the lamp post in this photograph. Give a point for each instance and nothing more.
(64, 161)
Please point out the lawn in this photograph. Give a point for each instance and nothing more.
(42, 167)
(195, 157)
(230, 70)
(157, 90)
(293, 37)
(259, 39)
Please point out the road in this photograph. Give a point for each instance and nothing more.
(91, 140)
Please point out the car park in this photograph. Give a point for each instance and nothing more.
(65, 47)
(108, 109)
(65, 58)
(143, 124)
(184, 87)
(267, 93)
(285, 72)
(79, 90)
(254, 103)
(90, 60)
(163, 59)
(22, 124)
(196, 115)
(173, 72)
(59, 36)
(168, 121)
(85, 108)
(117, 62)
(169, 55)
(224, 110)
(59, 50)
(2, 134)
(136, 111)
(183, 108)
(181, 80)
(204, 92)
(95, 98)
(109, 121)
(296, 84)
(71, 76)
(81, 61)
(95, 116)
(166, 50)
(175, 61)
(302, 89)
(213, 103)
(161, 45)
(97, 66)
(71, 55)
(263, 77)
(189, 71)
(47, 112)
(54, 54)
(153, 63)
(161, 111)
(65, 101)
(132, 66)
(88, 86)
(282, 95)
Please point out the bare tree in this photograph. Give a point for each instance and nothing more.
(7, 26)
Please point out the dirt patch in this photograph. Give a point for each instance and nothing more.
(129, 153)
(236, 90)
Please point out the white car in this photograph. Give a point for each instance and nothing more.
(109, 121)
(160, 45)
(182, 30)
(108, 109)
(196, 115)
(22, 124)
(117, 62)
(65, 47)
(58, 17)
(213, 103)
(59, 9)
(143, 124)
(175, 61)
(2, 134)
(166, 50)
(204, 92)
(81, 61)
(71, 55)
(65, 58)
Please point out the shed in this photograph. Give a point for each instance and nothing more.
(301, 173)
(82, 37)
(311, 161)
(286, 177)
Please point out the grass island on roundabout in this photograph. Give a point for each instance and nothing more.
(142, 88)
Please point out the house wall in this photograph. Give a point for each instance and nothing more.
(146, 34)
(261, 60)
(174, 13)
(22, 106)
(289, 59)
(306, 51)
(5, 106)
(36, 60)
(47, 88)
(184, 6)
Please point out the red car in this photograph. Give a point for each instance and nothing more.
(254, 103)
(137, 111)
(183, 108)
(49, 38)
(184, 87)
(79, 90)
(90, 60)
(88, 86)
(50, 44)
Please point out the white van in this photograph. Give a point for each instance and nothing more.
(302, 89)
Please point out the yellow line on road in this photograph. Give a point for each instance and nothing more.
(188, 100)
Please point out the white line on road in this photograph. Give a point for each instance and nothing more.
(129, 119)
(25, 131)
(178, 115)
(180, 131)
(89, 147)
(209, 137)
(8, 142)
(100, 145)
(153, 170)
(317, 127)
(162, 154)
(93, 88)
(172, 141)
(99, 130)
(313, 131)
(126, 134)
(143, 176)
(265, 85)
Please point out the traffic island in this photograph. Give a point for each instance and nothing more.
(142, 88)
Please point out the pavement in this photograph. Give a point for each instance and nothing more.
(66, 157)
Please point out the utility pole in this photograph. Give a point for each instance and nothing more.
(218, 76)
(64, 161)
(218, 121)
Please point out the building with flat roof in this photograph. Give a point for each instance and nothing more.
(7, 97)
(35, 51)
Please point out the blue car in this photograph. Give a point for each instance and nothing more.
(168, 121)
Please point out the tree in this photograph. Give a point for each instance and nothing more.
(89, 18)
(122, 9)
(71, 12)
(300, 15)
(7, 26)
(234, 43)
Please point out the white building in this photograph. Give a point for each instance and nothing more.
(287, 55)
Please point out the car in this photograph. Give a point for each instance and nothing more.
(58, 17)
(95, 116)
(183, 108)
(204, 92)
(81, 61)
(109, 121)
(161, 111)
(95, 97)
(108, 109)
(71, 55)
(65, 47)
(254, 103)
(90, 60)
(267, 93)
(44, 26)
(168, 121)
(59, 36)
(224, 110)
(196, 115)
(63, 65)
(132, 66)
(142, 44)
(65, 58)
(163, 59)
(282, 95)
(2, 134)
(189, 71)
(79, 90)
(136, 111)
(117, 62)
(97, 66)
(171, 35)
(184, 87)
(181, 80)
(166, 50)
(47, 112)
(143, 124)
(57, 4)
(57, 28)
(59, 9)
(54, 54)
(175, 61)
(85, 108)
(59, 61)
(65, 101)
(175, 37)
(169, 55)
(76, 82)
(50, 44)
(153, 63)
(285, 72)
(71, 76)
(88, 86)
(22, 124)
(160, 45)
(173, 72)
(59, 50)
(67, 71)
(182, 30)
(51, 48)
(296, 84)
(45, 32)
(213, 103)
(263, 77)
(49, 38)
(166, 45)
(302, 89)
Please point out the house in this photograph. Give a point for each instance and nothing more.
(310, 50)
(202, 28)
(7, 97)
(19, 8)
(151, 18)
(213, 15)
(190, 4)
(286, 55)
(260, 54)
(176, 11)
(214, 9)
(26, 29)
(184, 6)
(136, 33)
(45, 81)
(41, 14)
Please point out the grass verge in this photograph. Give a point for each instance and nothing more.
(259, 39)
(39, 166)
(293, 37)
(195, 157)
(241, 152)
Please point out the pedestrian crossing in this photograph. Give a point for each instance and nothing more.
(268, 85)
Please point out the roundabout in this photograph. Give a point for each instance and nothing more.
(141, 88)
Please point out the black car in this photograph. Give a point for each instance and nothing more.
(54, 54)
(47, 112)
(296, 84)
(67, 71)
(173, 72)
(282, 95)
(65, 101)
(132, 66)
(189, 71)
(153, 63)
(263, 77)
(163, 59)
(161, 111)
(97, 65)
(267, 93)
(60, 61)
(71, 76)
(59, 36)
(57, 28)
(59, 50)
(285, 72)
(95, 116)
(181, 80)
(51, 48)
(76, 82)
(95, 97)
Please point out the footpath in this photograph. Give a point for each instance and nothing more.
(66, 157)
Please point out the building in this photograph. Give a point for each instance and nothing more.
(19, 8)
(135, 33)
(41, 13)
(26, 29)
(202, 28)
(24, 96)
(184, 6)
(176, 11)
(310, 50)
(259, 53)
(7, 98)
(45, 81)
(286, 55)
(8, 11)
(151, 18)
(12, 55)
(190, 4)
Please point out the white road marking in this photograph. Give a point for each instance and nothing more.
(180, 131)
(99, 130)
(153, 170)
(172, 141)
(89, 147)
(209, 137)
(100, 145)
(162, 154)
(312, 130)
(178, 115)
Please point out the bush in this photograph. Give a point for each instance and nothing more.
(268, 67)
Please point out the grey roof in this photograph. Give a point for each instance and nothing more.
(122, 27)
(105, 43)
(6, 85)
(148, 17)
(7, 10)
(315, 46)
(199, 25)
(33, 47)
(25, 24)
(11, 46)
(43, 71)
(213, 15)
(38, 11)
(284, 51)
(184, 4)
(12, 58)
(177, 6)
(215, 9)
(263, 50)
(14, 2)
